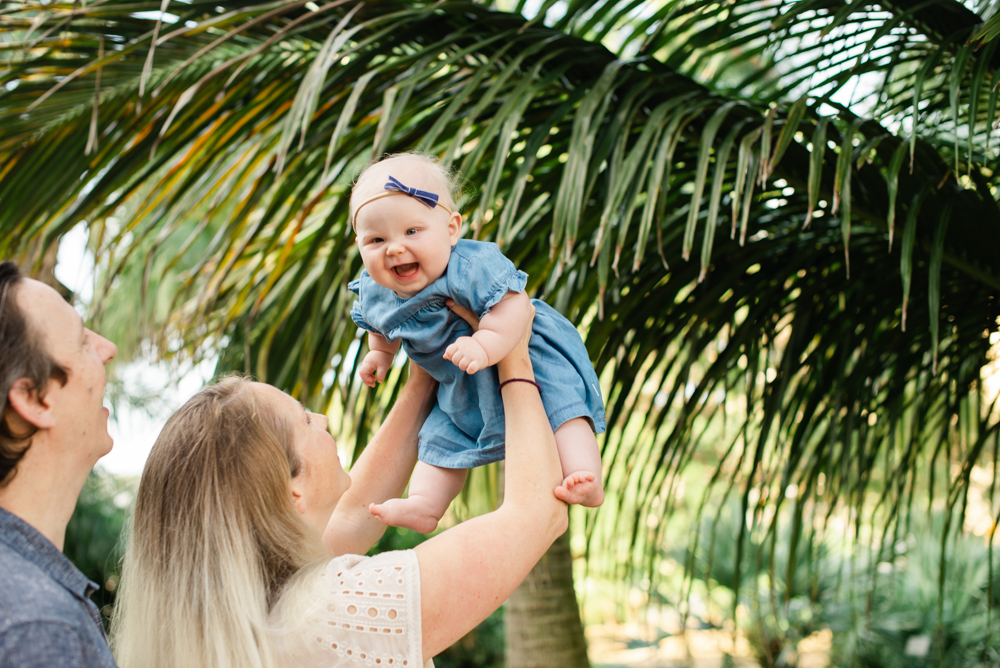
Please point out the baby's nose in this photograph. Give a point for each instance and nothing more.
(394, 248)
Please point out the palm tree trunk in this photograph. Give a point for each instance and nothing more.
(543, 618)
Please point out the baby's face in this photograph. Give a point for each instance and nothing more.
(404, 244)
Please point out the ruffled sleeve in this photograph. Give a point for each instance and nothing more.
(479, 276)
(357, 611)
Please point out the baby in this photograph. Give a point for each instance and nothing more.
(408, 231)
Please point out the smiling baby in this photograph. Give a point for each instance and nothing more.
(409, 234)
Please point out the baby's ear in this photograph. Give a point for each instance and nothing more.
(455, 227)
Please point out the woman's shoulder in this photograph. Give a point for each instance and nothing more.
(359, 566)
(354, 609)
(389, 576)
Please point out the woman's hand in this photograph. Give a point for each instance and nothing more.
(420, 378)
(517, 363)
(466, 314)
(521, 349)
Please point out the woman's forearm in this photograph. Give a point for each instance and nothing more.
(382, 470)
(532, 467)
(466, 572)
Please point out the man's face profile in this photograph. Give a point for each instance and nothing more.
(74, 411)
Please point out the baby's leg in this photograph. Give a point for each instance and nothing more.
(431, 490)
(581, 464)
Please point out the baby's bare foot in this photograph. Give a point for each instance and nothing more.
(581, 488)
(412, 513)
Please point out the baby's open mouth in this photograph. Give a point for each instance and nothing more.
(406, 270)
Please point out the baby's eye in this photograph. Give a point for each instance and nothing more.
(412, 230)
(377, 240)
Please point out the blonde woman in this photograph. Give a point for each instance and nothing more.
(242, 492)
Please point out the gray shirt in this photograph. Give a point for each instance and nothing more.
(46, 615)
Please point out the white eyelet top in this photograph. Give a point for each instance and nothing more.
(357, 611)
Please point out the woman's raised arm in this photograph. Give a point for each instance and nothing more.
(466, 572)
(382, 470)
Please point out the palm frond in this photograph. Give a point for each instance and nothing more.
(223, 187)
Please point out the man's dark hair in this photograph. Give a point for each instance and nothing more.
(22, 355)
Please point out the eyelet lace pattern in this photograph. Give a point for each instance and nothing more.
(365, 612)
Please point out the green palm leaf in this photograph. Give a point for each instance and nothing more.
(222, 162)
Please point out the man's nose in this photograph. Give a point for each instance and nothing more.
(106, 349)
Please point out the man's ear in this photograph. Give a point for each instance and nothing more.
(297, 498)
(455, 227)
(29, 405)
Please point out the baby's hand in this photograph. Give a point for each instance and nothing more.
(467, 355)
(374, 367)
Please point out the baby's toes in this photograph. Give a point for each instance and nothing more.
(581, 488)
(580, 477)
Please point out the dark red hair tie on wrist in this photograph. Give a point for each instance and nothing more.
(521, 380)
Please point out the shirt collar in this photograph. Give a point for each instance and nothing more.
(39, 550)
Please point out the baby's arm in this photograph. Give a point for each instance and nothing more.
(378, 360)
(499, 331)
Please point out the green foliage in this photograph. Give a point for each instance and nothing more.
(881, 598)
(890, 619)
(784, 584)
(711, 191)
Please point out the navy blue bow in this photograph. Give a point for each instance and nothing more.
(430, 199)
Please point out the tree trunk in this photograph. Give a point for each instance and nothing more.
(542, 617)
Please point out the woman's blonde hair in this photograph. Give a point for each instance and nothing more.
(215, 536)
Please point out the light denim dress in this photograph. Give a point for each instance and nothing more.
(466, 426)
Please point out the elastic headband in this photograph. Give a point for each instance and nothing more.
(394, 187)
